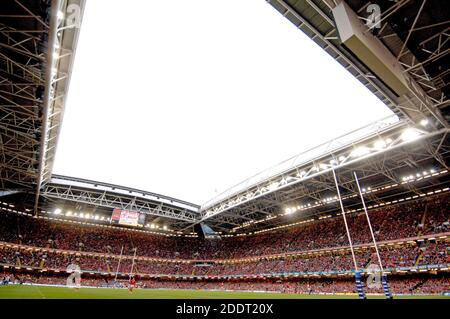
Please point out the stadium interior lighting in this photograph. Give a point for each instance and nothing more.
(273, 186)
(57, 211)
(379, 145)
(69, 213)
(81, 215)
(419, 175)
(290, 210)
(87, 215)
(360, 151)
(164, 227)
(352, 211)
(410, 134)
(424, 122)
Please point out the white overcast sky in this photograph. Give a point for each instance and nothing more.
(188, 98)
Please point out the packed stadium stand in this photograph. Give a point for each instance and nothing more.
(408, 242)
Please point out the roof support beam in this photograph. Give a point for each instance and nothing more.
(47, 96)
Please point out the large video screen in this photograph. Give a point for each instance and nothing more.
(127, 217)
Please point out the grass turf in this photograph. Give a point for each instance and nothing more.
(48, 292)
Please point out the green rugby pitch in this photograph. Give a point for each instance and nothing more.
(50, 292)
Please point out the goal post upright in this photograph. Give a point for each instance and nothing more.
(386, 288)
(118, 264)
(370, 224)
(358, 279)
(133, 261)
(345, 221)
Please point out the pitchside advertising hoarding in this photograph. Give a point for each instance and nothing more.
(127, 217)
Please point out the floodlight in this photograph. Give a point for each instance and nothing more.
(410, 134)
(359, 151)
(379, 145)
(273, 186)
(57, 211)
(424, 122)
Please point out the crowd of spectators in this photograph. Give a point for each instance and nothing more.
(389, 223)
(392, 257)
(55, 244)
(399, 285)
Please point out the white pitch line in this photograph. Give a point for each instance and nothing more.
(42, 295)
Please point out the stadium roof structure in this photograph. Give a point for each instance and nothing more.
(403, 60)
(37, 49)
(397, 49)
(164, 210)
(395, 161)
